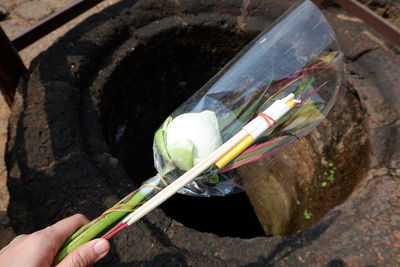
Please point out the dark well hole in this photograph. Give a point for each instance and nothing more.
(160, 74)
(145, 88)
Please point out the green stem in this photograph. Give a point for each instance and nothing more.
(86, 226)
(94, 229)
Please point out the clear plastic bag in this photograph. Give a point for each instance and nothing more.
(299, 55)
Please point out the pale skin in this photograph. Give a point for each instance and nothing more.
(39, 248)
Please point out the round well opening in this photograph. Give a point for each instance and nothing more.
(161, 72)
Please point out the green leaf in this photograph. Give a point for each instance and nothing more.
(182, 154)
(328, 58)
(266, 138)
(303, 86)
(229, 119)
(247, 113)
(305, 115)
(287, 127)
(214, 179)
(160, 139)
(276, 143)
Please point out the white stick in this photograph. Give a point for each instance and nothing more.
(186, 178)
(277, 110)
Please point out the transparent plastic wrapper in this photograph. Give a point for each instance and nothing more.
(298, 54)
(272, 94)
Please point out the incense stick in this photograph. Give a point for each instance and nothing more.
(186, 178)
(219, 158)
(257, 128)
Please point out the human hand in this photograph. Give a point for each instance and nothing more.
(39, 248)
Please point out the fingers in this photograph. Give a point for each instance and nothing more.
(64, 228)
(87, 254)
(39, 248)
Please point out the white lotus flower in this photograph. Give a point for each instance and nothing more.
(191, 137)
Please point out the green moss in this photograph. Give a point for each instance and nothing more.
(307, 214)
(329, 175)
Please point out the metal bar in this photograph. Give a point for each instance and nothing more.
(11, 68)
(319, 3)
(323, 3)
(52, 22)
(381, 25)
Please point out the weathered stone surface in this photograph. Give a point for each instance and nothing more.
(353, 45)
(58, 155)
(57, 5)
(3, 13)
(4, 114)
(376, 77)
(33, 10)
(12, 27)
(6, 231)
(8, 5)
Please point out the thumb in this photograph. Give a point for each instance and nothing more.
(87, 254)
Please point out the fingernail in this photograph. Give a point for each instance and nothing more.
(101, 247)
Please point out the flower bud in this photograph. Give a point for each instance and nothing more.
(191, 137)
